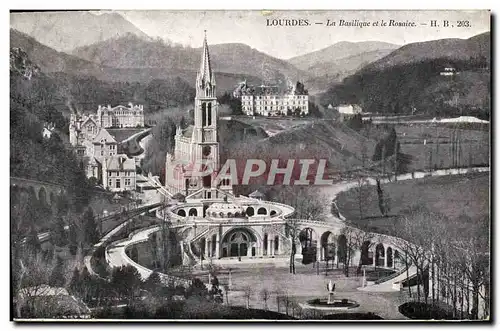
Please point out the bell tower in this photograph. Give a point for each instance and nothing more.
(204, 137)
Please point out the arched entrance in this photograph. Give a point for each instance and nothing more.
(397, 258)
(308, 242)
(193, 212)
(342, 249)
(389, 257)
(366, 255)
(265, 248)
(239, 242)
(327, 246)
(42, 196)
(379, 255)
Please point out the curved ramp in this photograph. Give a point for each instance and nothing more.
(393, 284)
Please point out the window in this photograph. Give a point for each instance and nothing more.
(118, 184)
(102, 152)
(127, 181)
(110, 183)
(110, 153)
(110, 173)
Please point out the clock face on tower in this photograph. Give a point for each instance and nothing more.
(206, 151)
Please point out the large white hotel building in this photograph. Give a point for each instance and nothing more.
(270, 101)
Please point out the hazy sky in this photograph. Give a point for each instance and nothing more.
(250, 27)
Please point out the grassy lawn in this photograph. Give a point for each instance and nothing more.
(448, 195)
(475, 145)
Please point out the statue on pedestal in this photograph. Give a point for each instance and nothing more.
(331, 288)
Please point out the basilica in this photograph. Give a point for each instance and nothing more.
(197, 145)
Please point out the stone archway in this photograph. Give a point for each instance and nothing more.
(380, 255)
(193, 212)
(342, 249)
(308, 241)
(42, 195)
(239, 242)
(389, 258)
(181, 213)
(397, 258)
(250, 211)
(327, 246)
(262, 211)
(366, 255)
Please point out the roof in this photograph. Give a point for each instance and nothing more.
(298, 89)
(205, 73)
(256, 194)
(88, 119)
(120, 162)
(103, 134)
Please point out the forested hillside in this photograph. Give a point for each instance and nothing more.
(409, 80)
(31, 155)
(419, 88)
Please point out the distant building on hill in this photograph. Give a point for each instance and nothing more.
(120, 116)
(85, 126)
(92, 142)
(347, 111)
(448, 71)
(272, 101)
(119, 173)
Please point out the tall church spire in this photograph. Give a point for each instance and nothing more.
(205, 75)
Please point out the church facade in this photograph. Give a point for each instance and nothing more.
(197, 147)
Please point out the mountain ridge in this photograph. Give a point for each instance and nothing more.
(64, 31)
(452, 48)
(338, 51)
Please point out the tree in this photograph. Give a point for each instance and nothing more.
(197, 289)
(247, 294)
(361, 240)
(60, 236)
(90, 227)
(75, 284)
(383, 204)
(57, 278)
(292, 231)
(420, 230)
(361, 195)
(32, 274)
(350, 246)
(264, 295)
(471, 249)
(73, 239)
(127, 281)
(153, 283)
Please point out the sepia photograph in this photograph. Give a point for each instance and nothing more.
(250, 165)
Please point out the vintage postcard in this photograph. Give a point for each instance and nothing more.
(250, 165)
